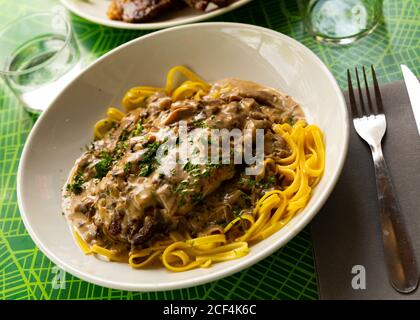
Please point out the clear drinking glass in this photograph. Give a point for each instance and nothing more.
(38, 58)
(340, 21)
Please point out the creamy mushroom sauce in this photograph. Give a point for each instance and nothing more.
(119, 197)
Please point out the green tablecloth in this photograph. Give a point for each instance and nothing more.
(25, 273)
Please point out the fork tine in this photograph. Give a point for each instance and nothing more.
(359, 89)
(378, 96)
(353, 106)
(369, 106)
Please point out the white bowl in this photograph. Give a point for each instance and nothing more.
(214, 51)
(95, 11)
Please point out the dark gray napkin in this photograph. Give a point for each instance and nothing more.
(346, 232)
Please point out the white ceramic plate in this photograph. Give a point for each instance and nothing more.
(95, 11)
(214, 51)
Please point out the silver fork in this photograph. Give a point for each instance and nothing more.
(370, 124)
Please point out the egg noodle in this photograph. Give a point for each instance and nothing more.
(301, 172)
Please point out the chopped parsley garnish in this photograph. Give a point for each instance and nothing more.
(182, 189)
(124, 135)
(265, 184)
(127, 167)
(200, 124)
(193, 169)
(145, 169)
(215, 165)
(138, 130)
(148, 163)
(291, 120)
(120, 149)
(77, 186)
(104, 165)
(151, 152)
(248, 182)
(196, 171)
(271, 179)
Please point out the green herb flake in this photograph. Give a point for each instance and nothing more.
(124, 135)
(248, 182)
(291, 120)
(151, 152)
(181, 187)
(145, 169)
(127, 167)
(193, 169)
(76, 186)
(138, 130)
(120, 149)
(148, 163)
(200, 124)
(104, 165)
(215, 165)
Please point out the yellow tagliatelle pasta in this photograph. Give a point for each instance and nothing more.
(110, 254)
(189, 89)
(186, 255)
(82, 243)
(194, 86)
(115, 114)
(187, 73)
(144, 257)
(102, 127)
(300, 171)
(136, 97)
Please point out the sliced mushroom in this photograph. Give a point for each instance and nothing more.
(179, 114)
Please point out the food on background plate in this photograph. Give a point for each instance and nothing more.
(127, 200)
(134, 11)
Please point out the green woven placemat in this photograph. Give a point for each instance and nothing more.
(25, 273)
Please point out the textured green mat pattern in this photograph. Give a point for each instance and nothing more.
(25, 273)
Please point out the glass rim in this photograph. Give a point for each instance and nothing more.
(322, 38)
(18, 20)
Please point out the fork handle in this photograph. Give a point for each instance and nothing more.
(398, 250)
